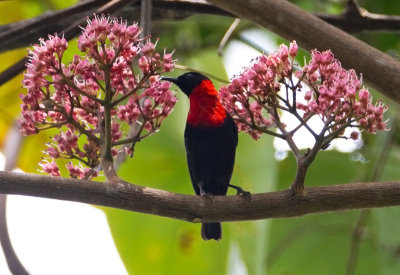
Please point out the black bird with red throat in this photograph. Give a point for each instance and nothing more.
(211, 137)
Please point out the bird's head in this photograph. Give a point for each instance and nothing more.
(187, 81)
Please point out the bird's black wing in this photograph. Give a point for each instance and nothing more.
(192, 148)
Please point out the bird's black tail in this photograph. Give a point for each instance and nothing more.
(211, 230)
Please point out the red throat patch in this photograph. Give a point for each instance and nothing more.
(205, 107)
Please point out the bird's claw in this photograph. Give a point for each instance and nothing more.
(241, 192)
(245, 194)
(206, 195)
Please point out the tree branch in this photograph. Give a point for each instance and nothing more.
(281, 204)
(379, 70)
(357, 19)
(289, 21)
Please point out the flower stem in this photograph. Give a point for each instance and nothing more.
(106, 129)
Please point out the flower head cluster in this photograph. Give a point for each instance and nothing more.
(322, 88)
(337, 95)
(117, 74)
(249, 94)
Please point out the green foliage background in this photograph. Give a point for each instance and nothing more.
(314, 244)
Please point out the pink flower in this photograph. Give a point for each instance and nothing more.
(115, 132)
(50, 168)
(363, 96)
(283, 52)
(53, 152)
(74, 171)
(354, 135)
(293, 49)
(308, 95)
(144, 64)
(148, 49)
(128, 151)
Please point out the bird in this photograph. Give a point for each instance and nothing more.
(211, 138)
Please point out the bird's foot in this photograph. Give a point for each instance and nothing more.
(241, 192)
(206, 195)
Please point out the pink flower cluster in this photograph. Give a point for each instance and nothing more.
(79, 172)
(337, 96)
(72, 96)
(249, 96)
(273, 84)
(153, 105)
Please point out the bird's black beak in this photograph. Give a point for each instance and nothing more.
(170, 79)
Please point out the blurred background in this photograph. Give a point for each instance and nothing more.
(55, 237)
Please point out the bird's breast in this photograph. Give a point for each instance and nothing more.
(205, 108)
(206, 112)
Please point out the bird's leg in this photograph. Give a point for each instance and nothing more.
(240, 191)
(203, 193)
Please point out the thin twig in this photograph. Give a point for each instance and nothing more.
(261, 129)
(105, 136)
(307, 118)
(251, 44)
(304, 123)
(227, 35)
(187, 68)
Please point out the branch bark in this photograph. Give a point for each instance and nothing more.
(289, 21)
(281, 204)
(357, 19)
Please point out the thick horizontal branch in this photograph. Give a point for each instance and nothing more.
(289, 21)
(281, 204)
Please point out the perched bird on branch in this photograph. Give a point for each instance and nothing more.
(211, 137)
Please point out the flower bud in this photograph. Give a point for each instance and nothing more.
(293, 49)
